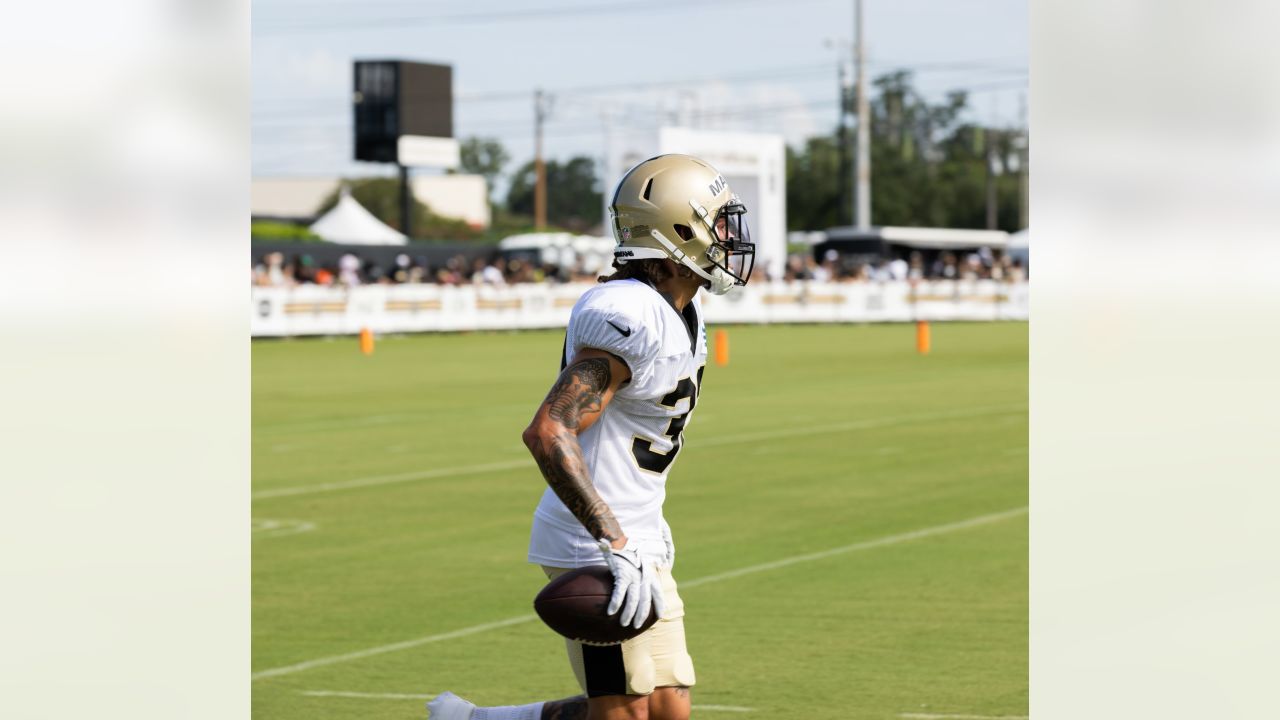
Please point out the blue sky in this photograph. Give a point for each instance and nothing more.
(742, 65)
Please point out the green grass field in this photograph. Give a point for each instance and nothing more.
(392, 502)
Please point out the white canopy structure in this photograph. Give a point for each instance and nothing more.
(943, 238)
(564, 249)
(349, 223)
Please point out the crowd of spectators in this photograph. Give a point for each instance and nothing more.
(981, 265)
(274, 269)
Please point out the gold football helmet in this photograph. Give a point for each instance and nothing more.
(679, 207)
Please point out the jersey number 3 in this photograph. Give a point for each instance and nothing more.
(658, 462)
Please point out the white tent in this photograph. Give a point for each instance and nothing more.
(348, 222)
(564, 249)
(1019, 240)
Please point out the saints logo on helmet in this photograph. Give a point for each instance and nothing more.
(680, 208)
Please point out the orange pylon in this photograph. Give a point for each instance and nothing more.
(366, 341)
(922, 337)
(722, 348)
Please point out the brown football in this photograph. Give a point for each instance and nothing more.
(574, 605)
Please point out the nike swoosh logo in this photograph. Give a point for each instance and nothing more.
(626, 332)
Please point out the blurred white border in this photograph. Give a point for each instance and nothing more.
(1155, 140)
(124, 513)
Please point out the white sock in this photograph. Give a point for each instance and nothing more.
(532, 711)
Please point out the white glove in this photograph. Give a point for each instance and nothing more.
(635, 584)
(670, 560)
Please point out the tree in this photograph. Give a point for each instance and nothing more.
(573, 193)
(928, 166)
(485, 157)
(813, 176)
(381, 197)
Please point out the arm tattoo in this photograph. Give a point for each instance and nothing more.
(579, 389)
(574, 708)
(560, 460)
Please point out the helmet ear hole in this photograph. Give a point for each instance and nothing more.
(684, 232)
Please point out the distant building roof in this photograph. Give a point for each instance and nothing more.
(923, 237)
(460, 197)
(293, 198)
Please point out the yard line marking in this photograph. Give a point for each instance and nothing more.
(785, 562)
(930, 716)
(318, 662)
(865, 545)
(264, 528)
(422, 696)
(360, 421)
(380, 696)
(858, 425)
(396, 478)
(374, 480)
(334, 423)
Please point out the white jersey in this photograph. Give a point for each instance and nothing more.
(632, 445)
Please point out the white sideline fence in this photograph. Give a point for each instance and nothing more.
(317, 310)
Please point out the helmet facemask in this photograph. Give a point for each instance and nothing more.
(730, 253)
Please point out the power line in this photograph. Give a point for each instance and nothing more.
(264, 25)
(996, 65)
(642, 114)
(635, 112)
(816, 71)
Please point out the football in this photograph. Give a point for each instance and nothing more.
(574, 605)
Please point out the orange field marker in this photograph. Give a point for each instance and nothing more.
(366, 341)
(922, 337)
(722, 348)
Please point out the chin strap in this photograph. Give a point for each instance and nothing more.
(721, 282)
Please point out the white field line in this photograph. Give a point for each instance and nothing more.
(422, 696)
(378, 696)
(361, 421)
(865, 545)
(393, 647)
(733, 439)
(397, 478)
(264, 528)
(335, 424)
(930, 716)
(785, 562)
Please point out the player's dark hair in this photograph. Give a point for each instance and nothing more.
(651, 271)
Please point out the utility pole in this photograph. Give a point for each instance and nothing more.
(991, 178)
(1024, 158)
(862, 179)
(607, 171)
(844, 92)
(842, 175)
(406, 203)
(992, 138)
(541, 106)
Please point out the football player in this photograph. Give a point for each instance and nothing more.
(610, 429)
